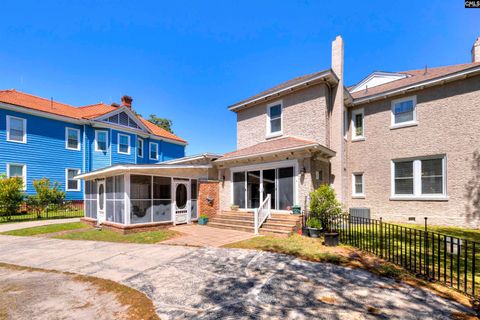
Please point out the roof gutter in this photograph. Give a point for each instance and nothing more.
(418, 86)
(131, 168)
(321, 77)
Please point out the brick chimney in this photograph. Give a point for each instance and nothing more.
(476, 51)
(127, 102)
(337, 142)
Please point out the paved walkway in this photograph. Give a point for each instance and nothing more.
(29, 224)
(218, 283)
(204, 236)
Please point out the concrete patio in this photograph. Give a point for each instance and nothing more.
(203, 236)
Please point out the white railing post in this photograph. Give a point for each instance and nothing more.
(255, 213)
(269, 197)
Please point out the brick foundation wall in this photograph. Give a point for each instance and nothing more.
(208, 189)
(128, 229)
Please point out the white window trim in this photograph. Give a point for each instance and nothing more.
(96, 140)
(24, 173)
(354, 194)
(413, 122)
(143, 147)
(118, 143)
(24, 140)
(354, 128)
(66, 179)
(66, 139)
(417, 180)
(271, 134)
(150, 150)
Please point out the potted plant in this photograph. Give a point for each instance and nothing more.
(203, 219)
(326, 208)
(234, 207)
(314, 227)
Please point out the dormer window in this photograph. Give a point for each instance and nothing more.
(274, 119)
(404, 112)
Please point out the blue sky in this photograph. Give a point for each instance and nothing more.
(189, 60)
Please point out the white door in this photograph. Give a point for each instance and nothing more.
(101, 201)
(181, 201)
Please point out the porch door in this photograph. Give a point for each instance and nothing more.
(253, 189)
(101, 201)
(181, 201)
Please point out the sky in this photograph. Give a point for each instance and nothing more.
(189, 60)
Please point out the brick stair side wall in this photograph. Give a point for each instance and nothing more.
(208, 189)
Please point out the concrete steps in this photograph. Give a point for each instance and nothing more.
(278, 225)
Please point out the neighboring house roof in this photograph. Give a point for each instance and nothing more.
(89, 112)
(416, 79)
(286, 87)
(285, 144)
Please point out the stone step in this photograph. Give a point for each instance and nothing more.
(230, 226)
(276, 226)
(274, 232)
(235, 217)
(239, 222)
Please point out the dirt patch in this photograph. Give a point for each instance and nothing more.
(42, 294)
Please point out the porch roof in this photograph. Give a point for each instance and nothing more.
(276, 147)
(168, 169)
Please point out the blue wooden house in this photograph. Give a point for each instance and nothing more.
(44, 138)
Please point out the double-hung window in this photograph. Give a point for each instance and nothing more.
(404, 112)
(357, 125)
(101, 140)
(274, 121)
(18, 170)
(140, 147)
(16, 129)
(423, 178)
(123, 143)
(357, 185)
(153, 151)
(72, 184)
(72, 139)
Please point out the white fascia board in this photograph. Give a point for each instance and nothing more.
(41, 114)
(133, 168)
(378, 74)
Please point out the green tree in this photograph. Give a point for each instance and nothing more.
(11, 195)
(161, 122)
(46, 195)
(324, 205)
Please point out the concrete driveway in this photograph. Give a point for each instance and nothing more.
(213, 283)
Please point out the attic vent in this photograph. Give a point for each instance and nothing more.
(124, 119)
(132, 123)
(113, 119)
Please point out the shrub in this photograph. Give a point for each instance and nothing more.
(324, 205)
(46, 195)
(313, 222)
(11, 195)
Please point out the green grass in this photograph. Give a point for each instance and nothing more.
(111, 236)
(469, 234)
(58, 214)
(46, 229)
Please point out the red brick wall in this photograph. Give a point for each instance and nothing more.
(208, 189)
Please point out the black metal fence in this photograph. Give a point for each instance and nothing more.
(26, 212)
(449, 260)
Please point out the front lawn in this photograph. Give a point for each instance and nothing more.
(111, 236)
(46, 229)
(469, 234)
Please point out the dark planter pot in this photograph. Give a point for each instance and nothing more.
(202, 221)
(314, 232)
(331, 239)
(305, 231)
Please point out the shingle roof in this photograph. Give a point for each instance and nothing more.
(272, 146)
(29, 101)
(414, 77)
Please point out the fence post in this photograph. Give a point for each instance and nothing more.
(381, 238)
(425, 251)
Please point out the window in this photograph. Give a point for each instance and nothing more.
(153, 151)
(72, 183)
(274, 123)
(101, 140)
(404, 111)
(72, 138)
(357, 185)
(123, 143)
(18, 170)
(357, 125)
(419, 178)
(16, 129)
(140, 147)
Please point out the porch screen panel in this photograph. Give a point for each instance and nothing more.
(91, 199)
(162, 189)
(140, 199)
(285, 188)
(239, 189)
(119, 192)
(193, 196)
(269, 186)
(110, 199)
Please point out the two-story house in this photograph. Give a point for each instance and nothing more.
(44, 138)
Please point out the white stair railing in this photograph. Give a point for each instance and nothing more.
(262, 213)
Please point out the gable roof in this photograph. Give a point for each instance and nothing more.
(286, 87)
(88, 112)
(414, 79)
